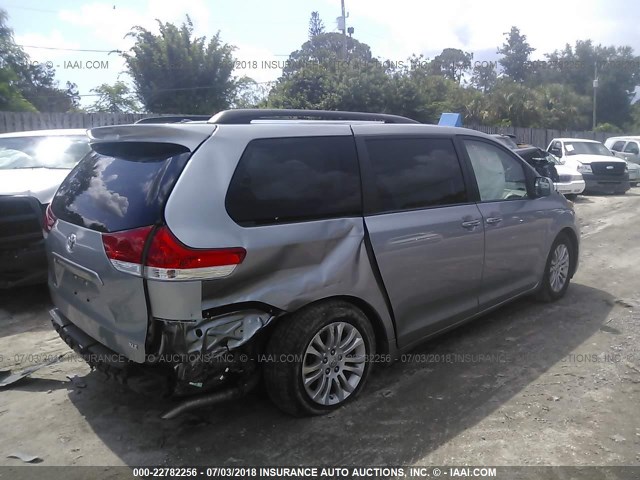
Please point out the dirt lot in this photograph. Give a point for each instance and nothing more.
(531, 384)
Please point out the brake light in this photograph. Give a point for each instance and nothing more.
(167, 258)
(49, 219)
(125, 249)
(170, 259)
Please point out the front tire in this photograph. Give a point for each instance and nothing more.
(571, 196)
(557, 271)
(317, 358)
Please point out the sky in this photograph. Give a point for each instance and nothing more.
(270, 30)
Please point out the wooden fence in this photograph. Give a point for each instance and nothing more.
(22, 121)
(540, 137)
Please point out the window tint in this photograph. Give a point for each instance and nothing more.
(120, 186)
(498, 174)
(632, 147)
(618, 146)
(295, 179)
(415, 173)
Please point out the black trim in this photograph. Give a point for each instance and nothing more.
(246, 116)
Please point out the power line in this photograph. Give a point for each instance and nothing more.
(70, 49)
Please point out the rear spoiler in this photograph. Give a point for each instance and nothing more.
(189, 135)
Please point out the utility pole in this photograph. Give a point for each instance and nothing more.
(595, 90)
(344, 29)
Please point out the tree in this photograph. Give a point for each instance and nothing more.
(318, 76)
(250, 94)
(618, 74)
(484, 77)
(27, 85)
(452, 63)
(175, 72)
(116, 98)
(516, 52)
(562, 108)
(316, 26)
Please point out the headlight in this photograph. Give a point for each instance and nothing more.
(584, 168)
(576, 178)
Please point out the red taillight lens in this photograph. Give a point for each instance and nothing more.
(126, 246)
(166, 251)
(49, 219)
(168, 258)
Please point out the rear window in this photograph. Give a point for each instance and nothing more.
(120, 186)
(295, 179)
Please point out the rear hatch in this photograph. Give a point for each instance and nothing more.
(99, 225)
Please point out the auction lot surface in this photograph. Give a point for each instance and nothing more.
(530, 384)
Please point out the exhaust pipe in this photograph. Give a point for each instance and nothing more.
(232, 393)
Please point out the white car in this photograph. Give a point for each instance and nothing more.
(32, 167)
(569, 181)
(602, 171)
(627, 148)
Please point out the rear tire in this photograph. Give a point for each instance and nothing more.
(318, 358)
(557, 270)
(571, 196)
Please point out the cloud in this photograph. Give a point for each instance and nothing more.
(415, 26)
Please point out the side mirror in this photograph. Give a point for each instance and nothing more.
(543, 187)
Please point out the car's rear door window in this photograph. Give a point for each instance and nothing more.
(295, 179)
(120, 186)
(414, 173)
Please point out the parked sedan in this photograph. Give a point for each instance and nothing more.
(32, 166)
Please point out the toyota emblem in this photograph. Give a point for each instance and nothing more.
(71, 242)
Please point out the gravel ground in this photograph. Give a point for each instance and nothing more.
(530, 384)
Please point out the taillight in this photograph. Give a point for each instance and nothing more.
(124, 249)
(49, 219)
(168, 258)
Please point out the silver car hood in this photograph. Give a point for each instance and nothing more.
(41, 183)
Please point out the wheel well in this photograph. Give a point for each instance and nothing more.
(382, 343)
(574, 245)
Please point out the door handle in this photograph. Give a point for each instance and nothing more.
(493, 220)
(471, 224)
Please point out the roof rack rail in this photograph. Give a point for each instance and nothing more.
(175, 119)
(245, 116)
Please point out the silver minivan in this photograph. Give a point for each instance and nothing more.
(296, 247)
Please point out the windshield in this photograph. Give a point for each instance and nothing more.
(55, 151)
(576, 148)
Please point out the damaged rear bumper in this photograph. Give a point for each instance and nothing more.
(191, 358)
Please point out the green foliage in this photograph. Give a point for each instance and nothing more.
(607, 127)
(176, 72)
(516, 52)
(26, 85)
(116, 98)
(452, 63)
(316, 26)
(319, 76)
(484, 77)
